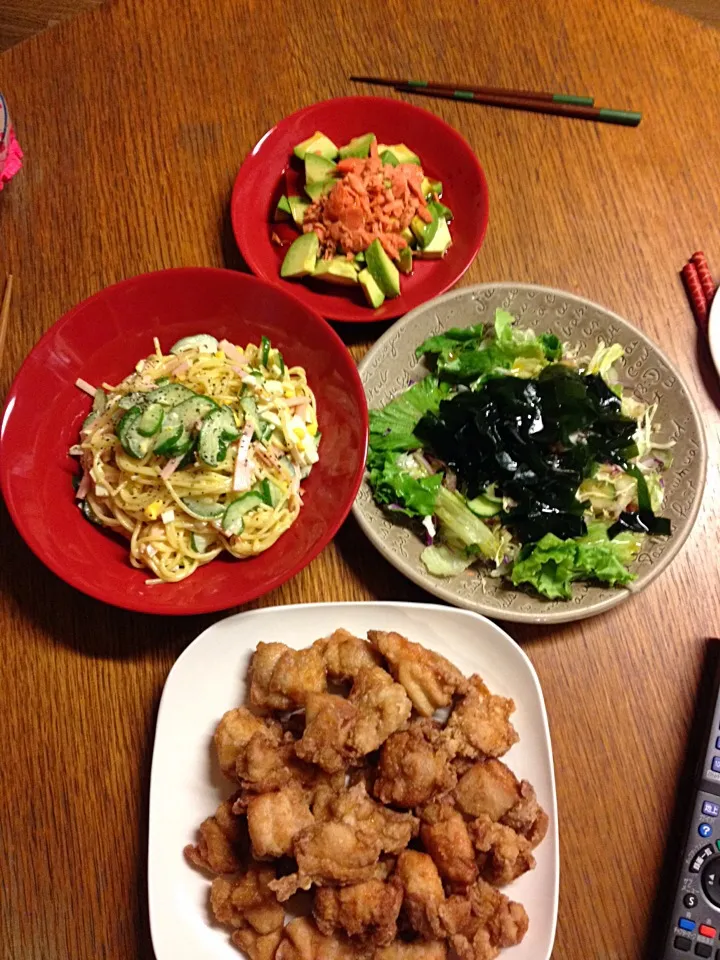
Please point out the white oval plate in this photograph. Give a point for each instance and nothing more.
(209, 678)
(714, 332)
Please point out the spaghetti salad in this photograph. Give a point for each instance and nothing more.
(198, 451)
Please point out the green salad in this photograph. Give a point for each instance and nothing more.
(518, 455)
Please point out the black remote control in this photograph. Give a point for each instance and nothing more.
(694, 926)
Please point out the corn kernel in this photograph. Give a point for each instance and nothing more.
(289, 393)
(312, 429)
(152, 510)
(220, 354)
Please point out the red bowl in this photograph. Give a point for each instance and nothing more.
(102, 339)
(445, 155)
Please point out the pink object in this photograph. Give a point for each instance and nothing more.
(10, 153)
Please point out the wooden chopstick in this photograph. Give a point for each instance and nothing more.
(5, 313)
(420, 85)
(627, 118)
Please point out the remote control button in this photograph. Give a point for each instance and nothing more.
(707, 931)
(715, 764)
(705, 830)
(711, 881)
(700, 857)
(690, 900)
(717, 744)
(703, 949)
(710, 809)
(686, 924)
(682, 943)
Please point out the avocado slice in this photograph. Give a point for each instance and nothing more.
(401, 153)
(360, 257)
(439, 243)
(429, 187)
(405, 260)
(373, 294)
(336, 270)
(298, 206)
(408, 236)
(283, 211)
(301, 258)
(358, 146)
(317, 168)
(382, 269)
(441, 210)
(387, 156)
(423, 231)
(317, 143)
(319, 189)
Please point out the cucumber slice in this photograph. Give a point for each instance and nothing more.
(134, 399)
(201, 543)
(232, 521)
(275, 493)
(132, 441)
(151, 420)
(202, 509)
(264, 491)
(99, 401)
(218, 430)
(265, 351)
(191, 410)
(89, 513)
(167, 439)
(170, 394)
(203, 342)
(189, 457)
(482, 506)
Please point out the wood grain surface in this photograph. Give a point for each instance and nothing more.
(134, 119)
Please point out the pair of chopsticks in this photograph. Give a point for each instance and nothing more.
(536, 101)
(700, 288)
(5, 313)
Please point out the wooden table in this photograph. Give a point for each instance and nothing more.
(134, 119)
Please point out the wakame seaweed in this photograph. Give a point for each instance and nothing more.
(537, 440)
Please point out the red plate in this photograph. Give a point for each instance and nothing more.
(102, 339)
(445, 156)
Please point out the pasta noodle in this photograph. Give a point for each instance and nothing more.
(173, 505)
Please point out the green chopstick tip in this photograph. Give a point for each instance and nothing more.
(463, 95)
(417, 83)
(571, 98)
(628, 118)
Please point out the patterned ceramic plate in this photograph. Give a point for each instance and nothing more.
(647, 372)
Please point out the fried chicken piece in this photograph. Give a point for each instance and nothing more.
(429, 679)
(275, 819)
(330, 720)
(223, 843)
(258, 946)
(483, 921)
(489, 787)
(423, 893)
(446, 838)
(366, 910)
(383, 707)
(341, 731)
(232, 735)
(247, 900)
(417, 950)
(344, 654)
(281, 678)
(344, 844)
(526, 816)
(413, 766)
(479, 726)
(303, 941)
(503, 854)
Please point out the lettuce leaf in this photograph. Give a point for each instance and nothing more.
(391, 427)
(391, 483)
(552, 565)
(445, 343)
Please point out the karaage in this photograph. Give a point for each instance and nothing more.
(275, 819)
(479, 725)
(445, 836)
(503, 855)
(423, 893)
(344, 655)
(368, 910)
(429, 679)
(281, 678)
(413, 766)
(223, 843)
